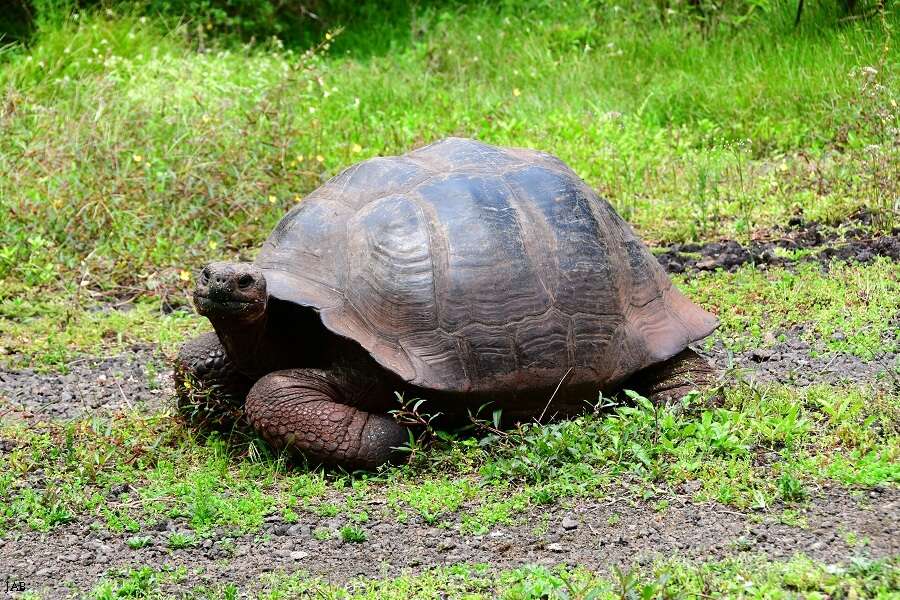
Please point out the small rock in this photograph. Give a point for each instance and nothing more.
(760, 355)
(707, 264)
(556, 547)
(569, 523)
(298, 555)
(165, 525)
(691, 487)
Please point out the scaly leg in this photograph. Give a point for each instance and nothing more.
(210, 391)
(321, 414)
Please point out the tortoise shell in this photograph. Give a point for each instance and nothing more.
(463, 267)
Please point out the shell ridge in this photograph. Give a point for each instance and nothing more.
(518, 210)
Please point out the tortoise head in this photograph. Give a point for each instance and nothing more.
(232, 292)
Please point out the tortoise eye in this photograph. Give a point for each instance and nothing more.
(204, 275)
(245, 281)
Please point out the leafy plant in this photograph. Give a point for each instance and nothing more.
(353, 534)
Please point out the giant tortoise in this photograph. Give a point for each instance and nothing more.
(460, 272)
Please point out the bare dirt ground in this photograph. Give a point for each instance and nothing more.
(839, 525)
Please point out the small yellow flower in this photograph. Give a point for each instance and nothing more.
(213, 244)
(205, 118)
(299, 158)
(184, 275)
(517, 92)
(356, 148)
(137, 158)
(328, 35)
(320, 158)
(272, 199)
(208, 26)
(297, 198)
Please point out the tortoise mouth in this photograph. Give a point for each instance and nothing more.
(239, 309)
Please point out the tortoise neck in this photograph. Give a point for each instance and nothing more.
(243, 342)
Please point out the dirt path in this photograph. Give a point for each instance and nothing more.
(839, 525)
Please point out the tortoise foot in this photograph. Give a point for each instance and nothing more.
(210, 390)
(673, 379)
(316, 412)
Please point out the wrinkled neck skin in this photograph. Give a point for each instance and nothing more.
(243, 343)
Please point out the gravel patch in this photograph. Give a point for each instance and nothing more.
(838, 525)
(139, 378)
(795, 361)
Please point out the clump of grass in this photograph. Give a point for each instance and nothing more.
(179, 541)
(848, 435)
(791, 489)
(139, 541)
(756, 307)
(353, 534)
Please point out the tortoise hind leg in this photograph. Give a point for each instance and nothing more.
(210, 390)
(318, 412)
(671, 380)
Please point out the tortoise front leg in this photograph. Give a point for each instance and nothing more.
(673, 379)
(210, 390)
(320, 413)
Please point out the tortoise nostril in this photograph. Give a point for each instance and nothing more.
(245, 281)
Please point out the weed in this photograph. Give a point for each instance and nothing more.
(353, 534)
(179, 540)
(791, 489)
(139, 541)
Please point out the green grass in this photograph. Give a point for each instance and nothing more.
(848, 308)
(60, 472)
(748, 577)
(129, 158)
(353, 534)
(50, 331)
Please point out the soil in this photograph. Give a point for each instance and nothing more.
(838, 525)
(139, 378)
(825, 243)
